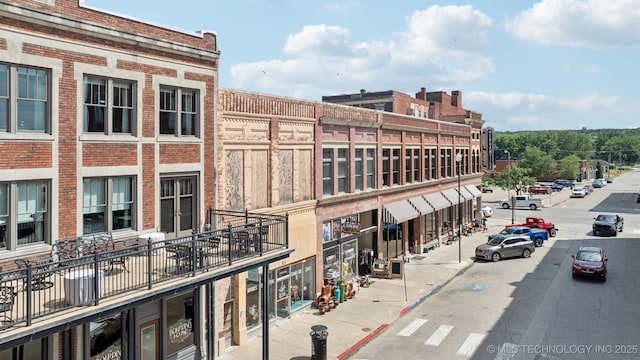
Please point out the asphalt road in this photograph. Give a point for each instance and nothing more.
(532, 308)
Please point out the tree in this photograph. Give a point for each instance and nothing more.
(569, 167)
(539, 163)
(505, 179)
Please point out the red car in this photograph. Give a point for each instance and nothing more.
(539, 190)
(590, 261)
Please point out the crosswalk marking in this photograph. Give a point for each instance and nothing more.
(411, 328)
(439, 335)
(470, 345)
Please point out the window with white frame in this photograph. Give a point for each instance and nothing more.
(24, 213)
(109, 105)
(412, 165)
(371, 168)
(395, 167)
(179, 111)
(416, 165)
(26, 90)
(343, 170)
(386, 167)
(108, 204)
(408, 178)
(327, 171)
(358, 163)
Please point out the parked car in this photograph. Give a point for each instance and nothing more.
(602, 181)
(578, 192)
(609, 180)
(486, 189)
(522, 202)
(590, 262)
(538, 236)
(599, 183)
(505, 246)
(538, 189)
(608, 224)
(487, 210)
(589, 188)
(565, 182)
(535, 222)
(556, 187)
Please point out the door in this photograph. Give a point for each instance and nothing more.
(178, 201)
(149, 344)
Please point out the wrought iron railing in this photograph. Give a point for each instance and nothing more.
(42, 286)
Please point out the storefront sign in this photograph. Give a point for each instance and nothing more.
(112, 353)
(179, 331)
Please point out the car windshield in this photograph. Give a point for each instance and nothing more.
(496, 240)
(505, 231)
(589, 256)
(607, 218)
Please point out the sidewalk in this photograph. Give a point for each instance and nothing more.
(354, 322)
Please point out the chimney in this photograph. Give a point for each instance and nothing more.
(423, 94)
(456, 98)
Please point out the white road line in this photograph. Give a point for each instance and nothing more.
(439, 335)
(411, 328)
(470, 345)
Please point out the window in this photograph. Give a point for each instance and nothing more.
(395, 167)
(24, 217)
(102, 115)
(359, 169)
(371, 168)
(416, 165)
(30, 99)
(407, 166)
(179, 111)
(386, 167)
(327, 171)
(107, 204)
(343, 170)
(412, 165)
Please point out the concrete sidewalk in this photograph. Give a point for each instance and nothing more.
(354, 322)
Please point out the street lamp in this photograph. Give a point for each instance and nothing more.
(508, 190)
(459, 162)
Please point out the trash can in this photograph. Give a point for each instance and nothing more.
(319, 336)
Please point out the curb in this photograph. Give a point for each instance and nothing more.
(362, 341)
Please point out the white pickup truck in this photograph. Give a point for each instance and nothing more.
(522, 202)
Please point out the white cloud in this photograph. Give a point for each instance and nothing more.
(445, 45)
(580, 23)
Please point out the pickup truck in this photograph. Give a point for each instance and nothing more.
(539, 190)
(522, 202)
(538, 236)
(538, 223)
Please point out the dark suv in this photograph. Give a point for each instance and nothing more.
(608, 224)
(565, 182)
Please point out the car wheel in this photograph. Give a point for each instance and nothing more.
(532, 207)
(552, 232)
(496, 257)
(604, 279)
(573, 275)
(595, 233)
(505, 206)
(615, 232)
(538, 242)
(526, 253)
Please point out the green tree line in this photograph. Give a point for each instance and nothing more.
(539, 154)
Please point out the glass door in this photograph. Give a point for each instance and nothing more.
(178, 201)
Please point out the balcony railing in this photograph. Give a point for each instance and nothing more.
(42, 286)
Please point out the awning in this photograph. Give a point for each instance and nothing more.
(422, 205)
(437, 200)
(466, 194)
(399, 212)
(473, 190)
(452, 195)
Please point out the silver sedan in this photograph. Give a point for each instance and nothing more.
(504, 246)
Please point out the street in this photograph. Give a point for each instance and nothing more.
(532, 308)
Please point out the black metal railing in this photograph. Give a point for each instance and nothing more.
(43, 286)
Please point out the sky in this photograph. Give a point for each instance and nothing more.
(522, 64)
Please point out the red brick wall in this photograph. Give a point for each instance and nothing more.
(109, 154)
(179, 153)
(25, 155)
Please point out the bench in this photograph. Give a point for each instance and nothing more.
(380, 268)
(430, 245)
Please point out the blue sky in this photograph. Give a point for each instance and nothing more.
(524, 65)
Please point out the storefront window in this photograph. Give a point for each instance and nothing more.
(105, 339)
(331, 264)
(349, 259)
(180, 324)
(253, 298)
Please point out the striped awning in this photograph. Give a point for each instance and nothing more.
(466, 194)
(399, 212)
(452, 195)
(438, 201)
(473, 190)
(421, 204)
